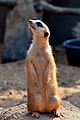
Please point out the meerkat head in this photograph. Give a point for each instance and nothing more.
(39, 29)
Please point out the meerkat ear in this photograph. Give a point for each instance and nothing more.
(46, 34)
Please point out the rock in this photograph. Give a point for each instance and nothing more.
(15, 49)
(19, 112)
(74, 99)
(17, 34)
(77, 82)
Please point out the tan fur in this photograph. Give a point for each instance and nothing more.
(40, 67)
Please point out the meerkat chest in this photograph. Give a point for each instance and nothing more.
(40, 57)
(40, 61)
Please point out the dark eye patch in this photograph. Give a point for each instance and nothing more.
(46, 34)
(39, 24)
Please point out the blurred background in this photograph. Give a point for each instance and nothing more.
(63, 20)
(15, 37)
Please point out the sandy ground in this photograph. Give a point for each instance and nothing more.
(67, 112)
(13, 84)
(13, 93)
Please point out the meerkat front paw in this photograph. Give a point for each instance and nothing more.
(56, 113)
(35, 114)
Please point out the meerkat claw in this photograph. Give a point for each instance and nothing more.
(35, 114)
(56, 114)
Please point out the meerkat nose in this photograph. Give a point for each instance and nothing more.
(30, 21)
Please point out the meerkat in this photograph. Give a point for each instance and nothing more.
(42, 86)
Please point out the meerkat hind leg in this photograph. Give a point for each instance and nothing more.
(35, 99)
(53, 99)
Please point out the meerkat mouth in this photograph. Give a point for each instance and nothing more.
(32, 24)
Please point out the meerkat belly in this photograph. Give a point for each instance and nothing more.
(40, 67)
(36, 90)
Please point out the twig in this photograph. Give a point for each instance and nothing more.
(58, 10)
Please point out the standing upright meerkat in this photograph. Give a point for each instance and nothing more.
(42, 86)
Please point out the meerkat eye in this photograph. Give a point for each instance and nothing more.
(46, 34)
(39, 24)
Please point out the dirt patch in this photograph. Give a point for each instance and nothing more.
(13, 93)
(13, 82)
(19, 112)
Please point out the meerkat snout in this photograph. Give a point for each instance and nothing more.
(31, 24)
